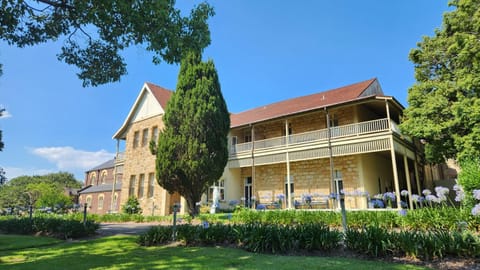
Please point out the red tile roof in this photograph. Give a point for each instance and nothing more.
(282, 108)
(300, 104)
(161, 94)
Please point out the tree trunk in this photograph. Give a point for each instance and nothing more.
(193, 209)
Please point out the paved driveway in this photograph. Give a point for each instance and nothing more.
(128, 228)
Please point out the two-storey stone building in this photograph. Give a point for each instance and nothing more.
(344, 140)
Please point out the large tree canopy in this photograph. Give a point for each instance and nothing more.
(444, 104)
(96, 31)
(192, 149)
(40, 191)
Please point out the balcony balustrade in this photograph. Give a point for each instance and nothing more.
(351, 130)
(120, 157)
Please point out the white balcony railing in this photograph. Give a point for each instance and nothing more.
(357, 129)
(120, 157)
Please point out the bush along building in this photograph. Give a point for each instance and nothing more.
(297, 153)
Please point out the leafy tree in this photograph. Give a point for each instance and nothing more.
(444, 104)
(64, 179)
(469, 180)
(192, 149)
(12, 196)
(3, 178)
(132, 206)
(96, 31)
(46, 190)
(47, 195)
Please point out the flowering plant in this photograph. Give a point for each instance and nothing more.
(389, 197)
(460, 194)
(476, 208)
(308, 199)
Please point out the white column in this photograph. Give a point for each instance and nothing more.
(330, 153)
(253, 162)
(407, 177)
(415, 166)
(114, 177)
(394, 160)
(289, 189)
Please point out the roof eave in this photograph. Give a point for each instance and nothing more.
(120, 134)
(324, 107)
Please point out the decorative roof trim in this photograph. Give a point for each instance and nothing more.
(162, 99)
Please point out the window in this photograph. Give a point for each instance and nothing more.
(115, 198)
(136, 134)
(103, 178)
(88, 201)
(333, 120)
(131, 187)
(151, 184)
(289, 130)
(145, 137)
(93, 179)
(292, 188)
(338, 181)
(234, 144)
(100, 202)
(141, 184)
(247, 136)
(220, 184)
(155, 133)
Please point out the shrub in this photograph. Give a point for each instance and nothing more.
(383, 219)
(317, 237)
(156, 236)
(371, 241)
(52, 226)
(132, 206)
(468, 179)
(261, 238)
(218, 234)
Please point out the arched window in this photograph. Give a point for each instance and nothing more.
(100, 202)
(103, 178)
(115, 199)
(88, 201)
(93, 178)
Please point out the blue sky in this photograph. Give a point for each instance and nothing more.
(264, 51)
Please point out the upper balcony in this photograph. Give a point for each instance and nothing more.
(120, 158)
(349, 132)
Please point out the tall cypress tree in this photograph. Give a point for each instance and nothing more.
(192, 149)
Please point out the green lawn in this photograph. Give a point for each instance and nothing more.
(10, 242)
(121, 252)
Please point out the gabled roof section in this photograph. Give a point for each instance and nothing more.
(106, 165)
(307, 103)
(100, 188)
(161, 94)
(151, 101)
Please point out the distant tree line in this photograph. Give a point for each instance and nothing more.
(48, 191)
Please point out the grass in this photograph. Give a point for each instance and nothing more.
(122, 252)
(14, 242)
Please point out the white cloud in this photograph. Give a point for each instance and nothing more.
(69, 158)
(12, 172)
(5, 114)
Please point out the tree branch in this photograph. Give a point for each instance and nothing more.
(59, 4)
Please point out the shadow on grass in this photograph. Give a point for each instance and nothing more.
(122, 252)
